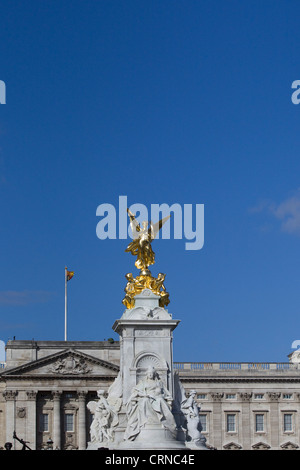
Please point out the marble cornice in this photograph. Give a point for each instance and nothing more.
(239, 379)
(38, 378)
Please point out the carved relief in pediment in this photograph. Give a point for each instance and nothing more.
(70, 365)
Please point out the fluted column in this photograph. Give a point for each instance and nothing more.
(31, 420)
(10, 397)
(82, 420)
(56, 420)
(217, 419)
(274, 425)
(246, 431)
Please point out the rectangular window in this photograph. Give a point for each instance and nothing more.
(230, 396)
(69, 422)
(259, 422)
(201, 396)
(258, 396)
(203, 422)
(230, 423)
(287, 422)
(287, 396)
(44, 422)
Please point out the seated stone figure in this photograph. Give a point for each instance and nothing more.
(149, 404)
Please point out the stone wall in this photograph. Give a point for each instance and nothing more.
(242, 405)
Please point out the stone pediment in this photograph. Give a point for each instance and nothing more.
(232, 446)
(63, 364)
(261, 446)
(289, 446)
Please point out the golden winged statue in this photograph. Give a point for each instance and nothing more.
(143, 235)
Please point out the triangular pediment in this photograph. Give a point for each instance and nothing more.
(65, 363)
(232, 446)
(261, 446)
(289, 446)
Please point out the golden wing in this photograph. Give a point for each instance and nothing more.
(155, 228)
(135, 226)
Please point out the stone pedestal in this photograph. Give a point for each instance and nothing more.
(146, 339)
(141, 401)
(152, 437)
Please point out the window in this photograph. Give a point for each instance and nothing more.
(258, 396)
(287, 422)
(44, 422)
(69, 422)
(201, 396)
(230, 425)
(287, 396)
(230, 396)
(203, 422)
(259, 423)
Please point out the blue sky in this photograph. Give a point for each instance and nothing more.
(164, 102)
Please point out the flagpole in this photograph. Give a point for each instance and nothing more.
(65, 304)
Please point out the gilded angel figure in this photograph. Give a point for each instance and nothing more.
(143, 236)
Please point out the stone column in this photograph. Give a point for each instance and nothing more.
(246, 431)
(82, 420)
(217, 420)
(10, 396)
(274, 420)
(56, 428)
(31, 418)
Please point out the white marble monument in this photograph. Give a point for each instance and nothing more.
(146, 406)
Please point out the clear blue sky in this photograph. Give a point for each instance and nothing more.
(163, 101)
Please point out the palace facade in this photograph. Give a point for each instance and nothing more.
(46, 385)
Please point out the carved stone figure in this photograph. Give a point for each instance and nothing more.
(186, 412)
(179, 398)
(149, 404)
(115, 393)
(191, 411)
(105, 419)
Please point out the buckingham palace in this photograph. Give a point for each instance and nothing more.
(46, 385)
